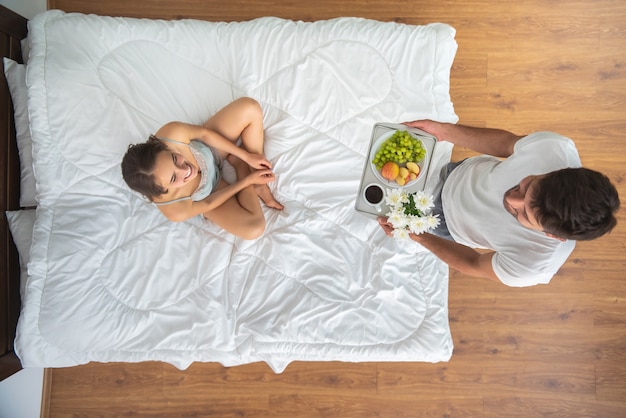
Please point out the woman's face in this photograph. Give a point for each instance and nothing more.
(173, 171)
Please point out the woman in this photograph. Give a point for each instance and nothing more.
(178, 169)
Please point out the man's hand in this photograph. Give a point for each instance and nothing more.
(385, 225)
(436, 129)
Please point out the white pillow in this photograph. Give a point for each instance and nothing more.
(21, 224)
(25, 45)
(16, 78)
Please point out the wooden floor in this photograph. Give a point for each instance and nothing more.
(556, 351)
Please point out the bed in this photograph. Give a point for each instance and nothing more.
(105, 277)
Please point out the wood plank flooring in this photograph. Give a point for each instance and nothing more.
(549, 351)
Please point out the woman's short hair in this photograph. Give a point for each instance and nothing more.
(576, 203)
(138, 167)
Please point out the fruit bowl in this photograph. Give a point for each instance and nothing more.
(404, 162)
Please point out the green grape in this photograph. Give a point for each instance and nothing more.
(401, 147)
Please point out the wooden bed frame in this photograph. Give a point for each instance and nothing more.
(13, 29)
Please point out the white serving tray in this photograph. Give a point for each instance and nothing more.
(369, 177)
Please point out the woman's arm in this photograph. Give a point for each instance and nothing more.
(496, 142)
(187, 209)
(185, 132)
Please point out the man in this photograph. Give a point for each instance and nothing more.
(527, 200)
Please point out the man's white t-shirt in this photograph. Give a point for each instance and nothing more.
(472, 199)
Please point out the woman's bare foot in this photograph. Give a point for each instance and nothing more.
(262, 190)
(264, 193)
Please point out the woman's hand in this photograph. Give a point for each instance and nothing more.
(260, 177)
(250, 176)
(258, 161)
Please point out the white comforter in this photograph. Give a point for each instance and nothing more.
(112, 280)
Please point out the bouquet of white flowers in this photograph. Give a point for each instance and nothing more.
(410, 213)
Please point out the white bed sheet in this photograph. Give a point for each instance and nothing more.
(110, 279)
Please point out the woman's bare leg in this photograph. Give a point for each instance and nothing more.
(240, 215)
(243, 119)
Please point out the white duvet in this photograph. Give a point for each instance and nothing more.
(110, 279)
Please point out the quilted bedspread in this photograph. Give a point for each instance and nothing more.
(110, 279)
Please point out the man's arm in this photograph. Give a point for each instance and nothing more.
(496, 142)
(458, 256)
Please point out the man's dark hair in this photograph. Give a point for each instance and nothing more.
(576, 203)
(138, 166)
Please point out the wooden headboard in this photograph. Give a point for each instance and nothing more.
(13, 29)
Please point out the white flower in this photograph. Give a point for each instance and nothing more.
(423, 202)
(396, 198)
(401, 234)
(433, 221)
(410, 213)
(397, 219)
(418, 224)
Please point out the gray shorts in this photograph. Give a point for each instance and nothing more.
(442, 229)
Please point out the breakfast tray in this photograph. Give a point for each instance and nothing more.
(369, 177)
